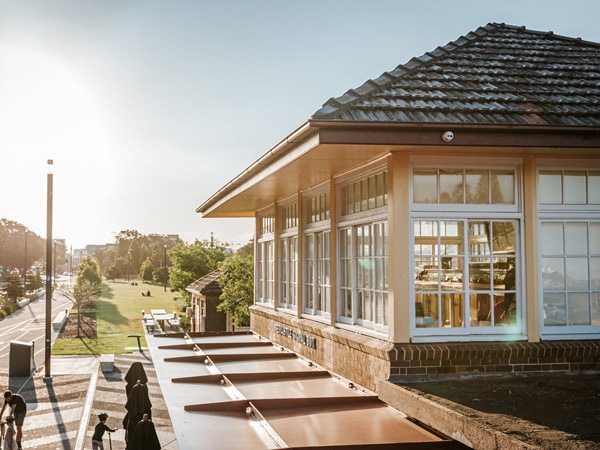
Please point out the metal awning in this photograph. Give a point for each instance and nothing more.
(237, 390)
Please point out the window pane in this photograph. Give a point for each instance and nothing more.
(477, 186)
(481, 310)
(452, 310)
(503, 234)
(550, 188)
(595, 308)
(451, 186)
(479, 273)
(594, 238)
(579, 308)
(503, 187)
(555, 309)
(595, 275)
(426, 310)
(594, 188)
(576, 238)
(425, 186)
(479, 238)
(575, 189)
(552, 238)
(553, 277)
(577, 273)
(346, 302)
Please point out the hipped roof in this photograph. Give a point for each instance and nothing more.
(498, 74)
(501, 85)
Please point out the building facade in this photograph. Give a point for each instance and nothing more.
(443, 218)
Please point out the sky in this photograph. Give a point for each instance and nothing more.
(147, 108)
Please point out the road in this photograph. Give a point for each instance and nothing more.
(29, 325)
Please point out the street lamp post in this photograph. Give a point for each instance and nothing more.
(48, 336)
(25, 267)
(166, 272)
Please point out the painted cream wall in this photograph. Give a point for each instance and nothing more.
(530, 291)
(398, 248)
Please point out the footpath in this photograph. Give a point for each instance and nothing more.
(63, 411)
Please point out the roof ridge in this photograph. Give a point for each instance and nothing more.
(334, 104)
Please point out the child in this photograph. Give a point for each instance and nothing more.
(99, 430)
(10, 440)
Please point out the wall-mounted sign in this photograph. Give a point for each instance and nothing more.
(296, 336)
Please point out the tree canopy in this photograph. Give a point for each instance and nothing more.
(131, 251)
(237, 283)
(192, 261)
(89, 271)
(20, 247)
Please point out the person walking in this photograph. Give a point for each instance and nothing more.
(99, 430)
(9, 438)
(17, 409)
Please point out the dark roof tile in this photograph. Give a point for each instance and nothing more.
(498, 74)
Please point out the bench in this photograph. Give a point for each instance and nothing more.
(174, 323)
(60, 320)
(150, 325)
(107, 362)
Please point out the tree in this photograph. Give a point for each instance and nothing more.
(14, 288)
(87, 288)
(192, 261)
(161, 275)
(86, 293)
(34, 282)
(20, 248)
(237, 283)
(146, 271)
(89, 271)
(113, 273)
(246, 250)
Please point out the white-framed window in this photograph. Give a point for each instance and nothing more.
(363, 287)
(466, 251)
(317, 279)
(288, 272)
(317, 255)
(569, 231)
(363, 252)
(461, 189)
(465, 273)
(265, 259)
(288, 257)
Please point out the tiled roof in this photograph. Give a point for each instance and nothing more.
(496, 75)
(207, 282)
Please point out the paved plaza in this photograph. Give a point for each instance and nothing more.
(62, 412)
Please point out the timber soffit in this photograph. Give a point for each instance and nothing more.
(499, 77)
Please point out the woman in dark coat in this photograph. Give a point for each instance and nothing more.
(144, 437)
(136, 372)
(138, 404)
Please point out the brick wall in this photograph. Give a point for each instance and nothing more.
(215, 320)
(366, 360)
(513, 357)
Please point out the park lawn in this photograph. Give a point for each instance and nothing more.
(119, 314)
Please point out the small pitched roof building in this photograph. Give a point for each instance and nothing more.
(441, 218)
(206, 296)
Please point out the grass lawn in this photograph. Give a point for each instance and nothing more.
(118, 314)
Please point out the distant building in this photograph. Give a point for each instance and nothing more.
(443, 218)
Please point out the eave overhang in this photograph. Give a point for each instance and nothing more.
(321, 149)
